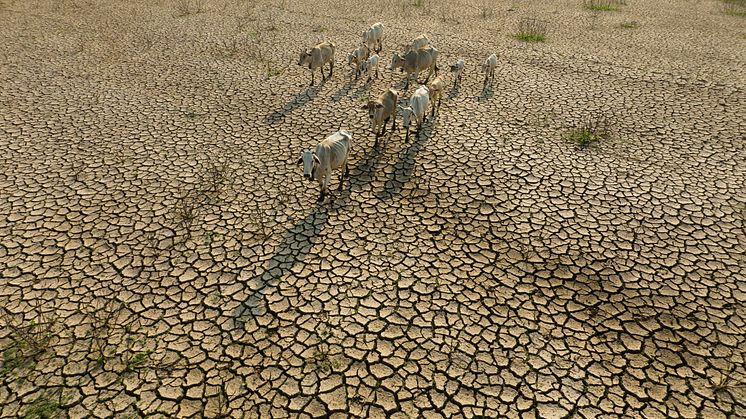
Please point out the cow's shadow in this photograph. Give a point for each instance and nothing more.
(454, 92)
(486, 93)
(298, 101)
(343, 91)
(404, 166)
(302, 237)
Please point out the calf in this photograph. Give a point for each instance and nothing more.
(371, 64)
(417, 108)
(415, 61)
(381, 110)
(488, 68)
(456, 70)
(436, 88)
(316, 57)
(330, 154)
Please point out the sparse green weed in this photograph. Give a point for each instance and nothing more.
(531, 30)
(590, 131)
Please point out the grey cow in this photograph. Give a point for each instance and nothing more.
(415, 61)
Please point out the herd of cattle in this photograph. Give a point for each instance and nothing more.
(419, 56)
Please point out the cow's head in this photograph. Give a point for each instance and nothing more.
(310, 162)
(305, 57)
(397, 61)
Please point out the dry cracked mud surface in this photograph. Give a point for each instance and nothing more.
(161, 255)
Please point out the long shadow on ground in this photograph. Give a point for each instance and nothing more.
(342, 91)
(298, 101)
(486, 94)
(405, 165)
(455, 90)
(300, 239)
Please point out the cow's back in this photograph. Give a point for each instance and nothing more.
(334, 149)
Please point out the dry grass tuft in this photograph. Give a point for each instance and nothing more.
(531, 30)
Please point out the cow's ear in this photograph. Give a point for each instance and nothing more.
(379, 105)
(300, 160)
(316, 159)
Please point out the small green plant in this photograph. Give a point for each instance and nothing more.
(531, 30)
(591, 130)
(603, 5)
(633, 24)
(46, 406)
(419, 3)
(139, 360)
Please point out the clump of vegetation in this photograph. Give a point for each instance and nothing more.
(323, 362)
(28, 340)
(138, 360)
(531, 30)
(46, 406)
(735, 7)
(603, 5)
(592, 129)
(727, 381)
(188, 7)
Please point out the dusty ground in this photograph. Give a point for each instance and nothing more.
(161, 255)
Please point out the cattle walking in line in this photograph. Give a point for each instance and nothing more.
(415, 61)
(436, 88)
(457, 70)
(488, 68)
(330, 154)
(370, 65)
(316, 57)
(381, 110)
(357, 58)
(421, 41)
(373, 37)
(416, 110)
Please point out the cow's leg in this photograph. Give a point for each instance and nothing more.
(313, 77)
(383, 126)
(429, 73)
(331, 69)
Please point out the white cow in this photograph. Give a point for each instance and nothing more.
(420, 42)
(488, 68)
(370, 65)
(373, 37)
(417, 108)
(330, 154)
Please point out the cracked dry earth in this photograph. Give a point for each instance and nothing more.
(160, 254)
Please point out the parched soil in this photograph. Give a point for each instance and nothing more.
(161, 253)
